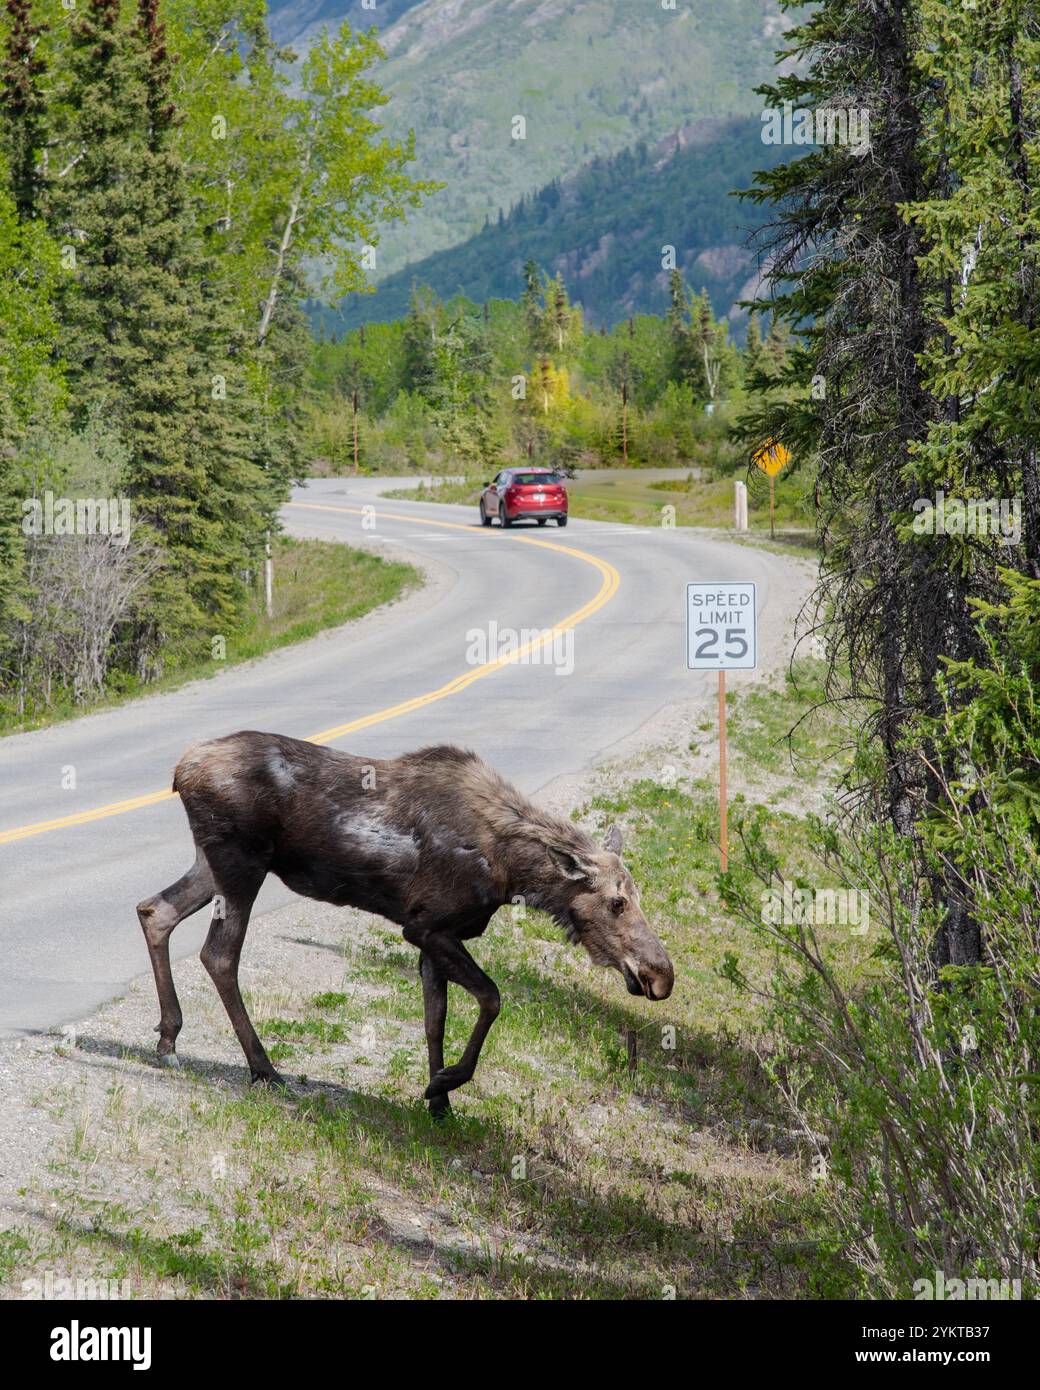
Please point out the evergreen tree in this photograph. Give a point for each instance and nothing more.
(223, 419)
(852, 278)
(981, 220)
(22, 104)
(685, 364)
(753, 343)
(419, 331)
(715, 355)
(143, 335)
(533, 302)
(558, 320)
(29, 380)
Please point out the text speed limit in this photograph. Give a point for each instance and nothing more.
(721, 626)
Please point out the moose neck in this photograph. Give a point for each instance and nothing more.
(530, 873)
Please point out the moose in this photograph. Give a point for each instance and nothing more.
(435, 841)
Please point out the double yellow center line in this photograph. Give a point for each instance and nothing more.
(608, 588)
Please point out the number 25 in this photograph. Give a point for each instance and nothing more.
(706, 651)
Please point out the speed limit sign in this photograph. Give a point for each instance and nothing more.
(721, 626)
(722, 635)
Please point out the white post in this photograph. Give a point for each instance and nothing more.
(740, 505)
(268, 578)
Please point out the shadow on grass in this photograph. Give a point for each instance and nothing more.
(580, 1241)
(235, 1074)
(337, 949)
(694, 1076)
(208, 1272)
(223, 1275)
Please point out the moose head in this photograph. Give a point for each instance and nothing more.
(603, 915)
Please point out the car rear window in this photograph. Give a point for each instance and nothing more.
(536, 479)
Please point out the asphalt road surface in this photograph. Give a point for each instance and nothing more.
(76, 860)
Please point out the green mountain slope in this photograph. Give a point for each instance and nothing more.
(294, 21)
(589, 77)
(605, 228)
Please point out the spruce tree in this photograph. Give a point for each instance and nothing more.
(147, 338)
(418, 345)
(22, 104)
(220, 417)
(980, 221)
(29, 379)
(753, 345)
(685, 364)
(537, 320)
(851, 275)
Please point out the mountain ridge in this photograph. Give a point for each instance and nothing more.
(590, 78)
(676, 192)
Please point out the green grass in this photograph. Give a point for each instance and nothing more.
(784, 730)
(636, 501)
(563, 1174)
(317, 585)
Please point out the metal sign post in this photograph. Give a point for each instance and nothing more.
(722, 635)
(723, 799)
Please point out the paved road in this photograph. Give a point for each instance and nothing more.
(68, 932)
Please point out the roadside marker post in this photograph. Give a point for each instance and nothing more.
(740, 505)
(722, 635)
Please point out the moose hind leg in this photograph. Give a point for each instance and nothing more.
(435, 1011)
(239, 878)
(158, 917)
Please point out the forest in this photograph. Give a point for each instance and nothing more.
(456, 387)
(165, 176)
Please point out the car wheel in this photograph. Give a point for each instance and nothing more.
(541, 521)
(561, 521)
(485, 520)
(505, 518)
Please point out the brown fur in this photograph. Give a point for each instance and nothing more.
(434, 840)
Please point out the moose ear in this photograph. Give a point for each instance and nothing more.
(568, 863)
(612, 840)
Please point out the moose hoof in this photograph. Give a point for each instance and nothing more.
(267, 1078)
(446, 1080)
(169, 1059)
(440, 1108)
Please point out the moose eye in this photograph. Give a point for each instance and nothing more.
(617, 906)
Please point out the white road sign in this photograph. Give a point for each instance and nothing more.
(721, 626)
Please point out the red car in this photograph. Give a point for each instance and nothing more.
(520, 493)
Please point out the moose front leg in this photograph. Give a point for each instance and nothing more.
(435, 1011)
(449, 959)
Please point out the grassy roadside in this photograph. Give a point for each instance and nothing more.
(633, 500)
(563, 1175)
(317, 585)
